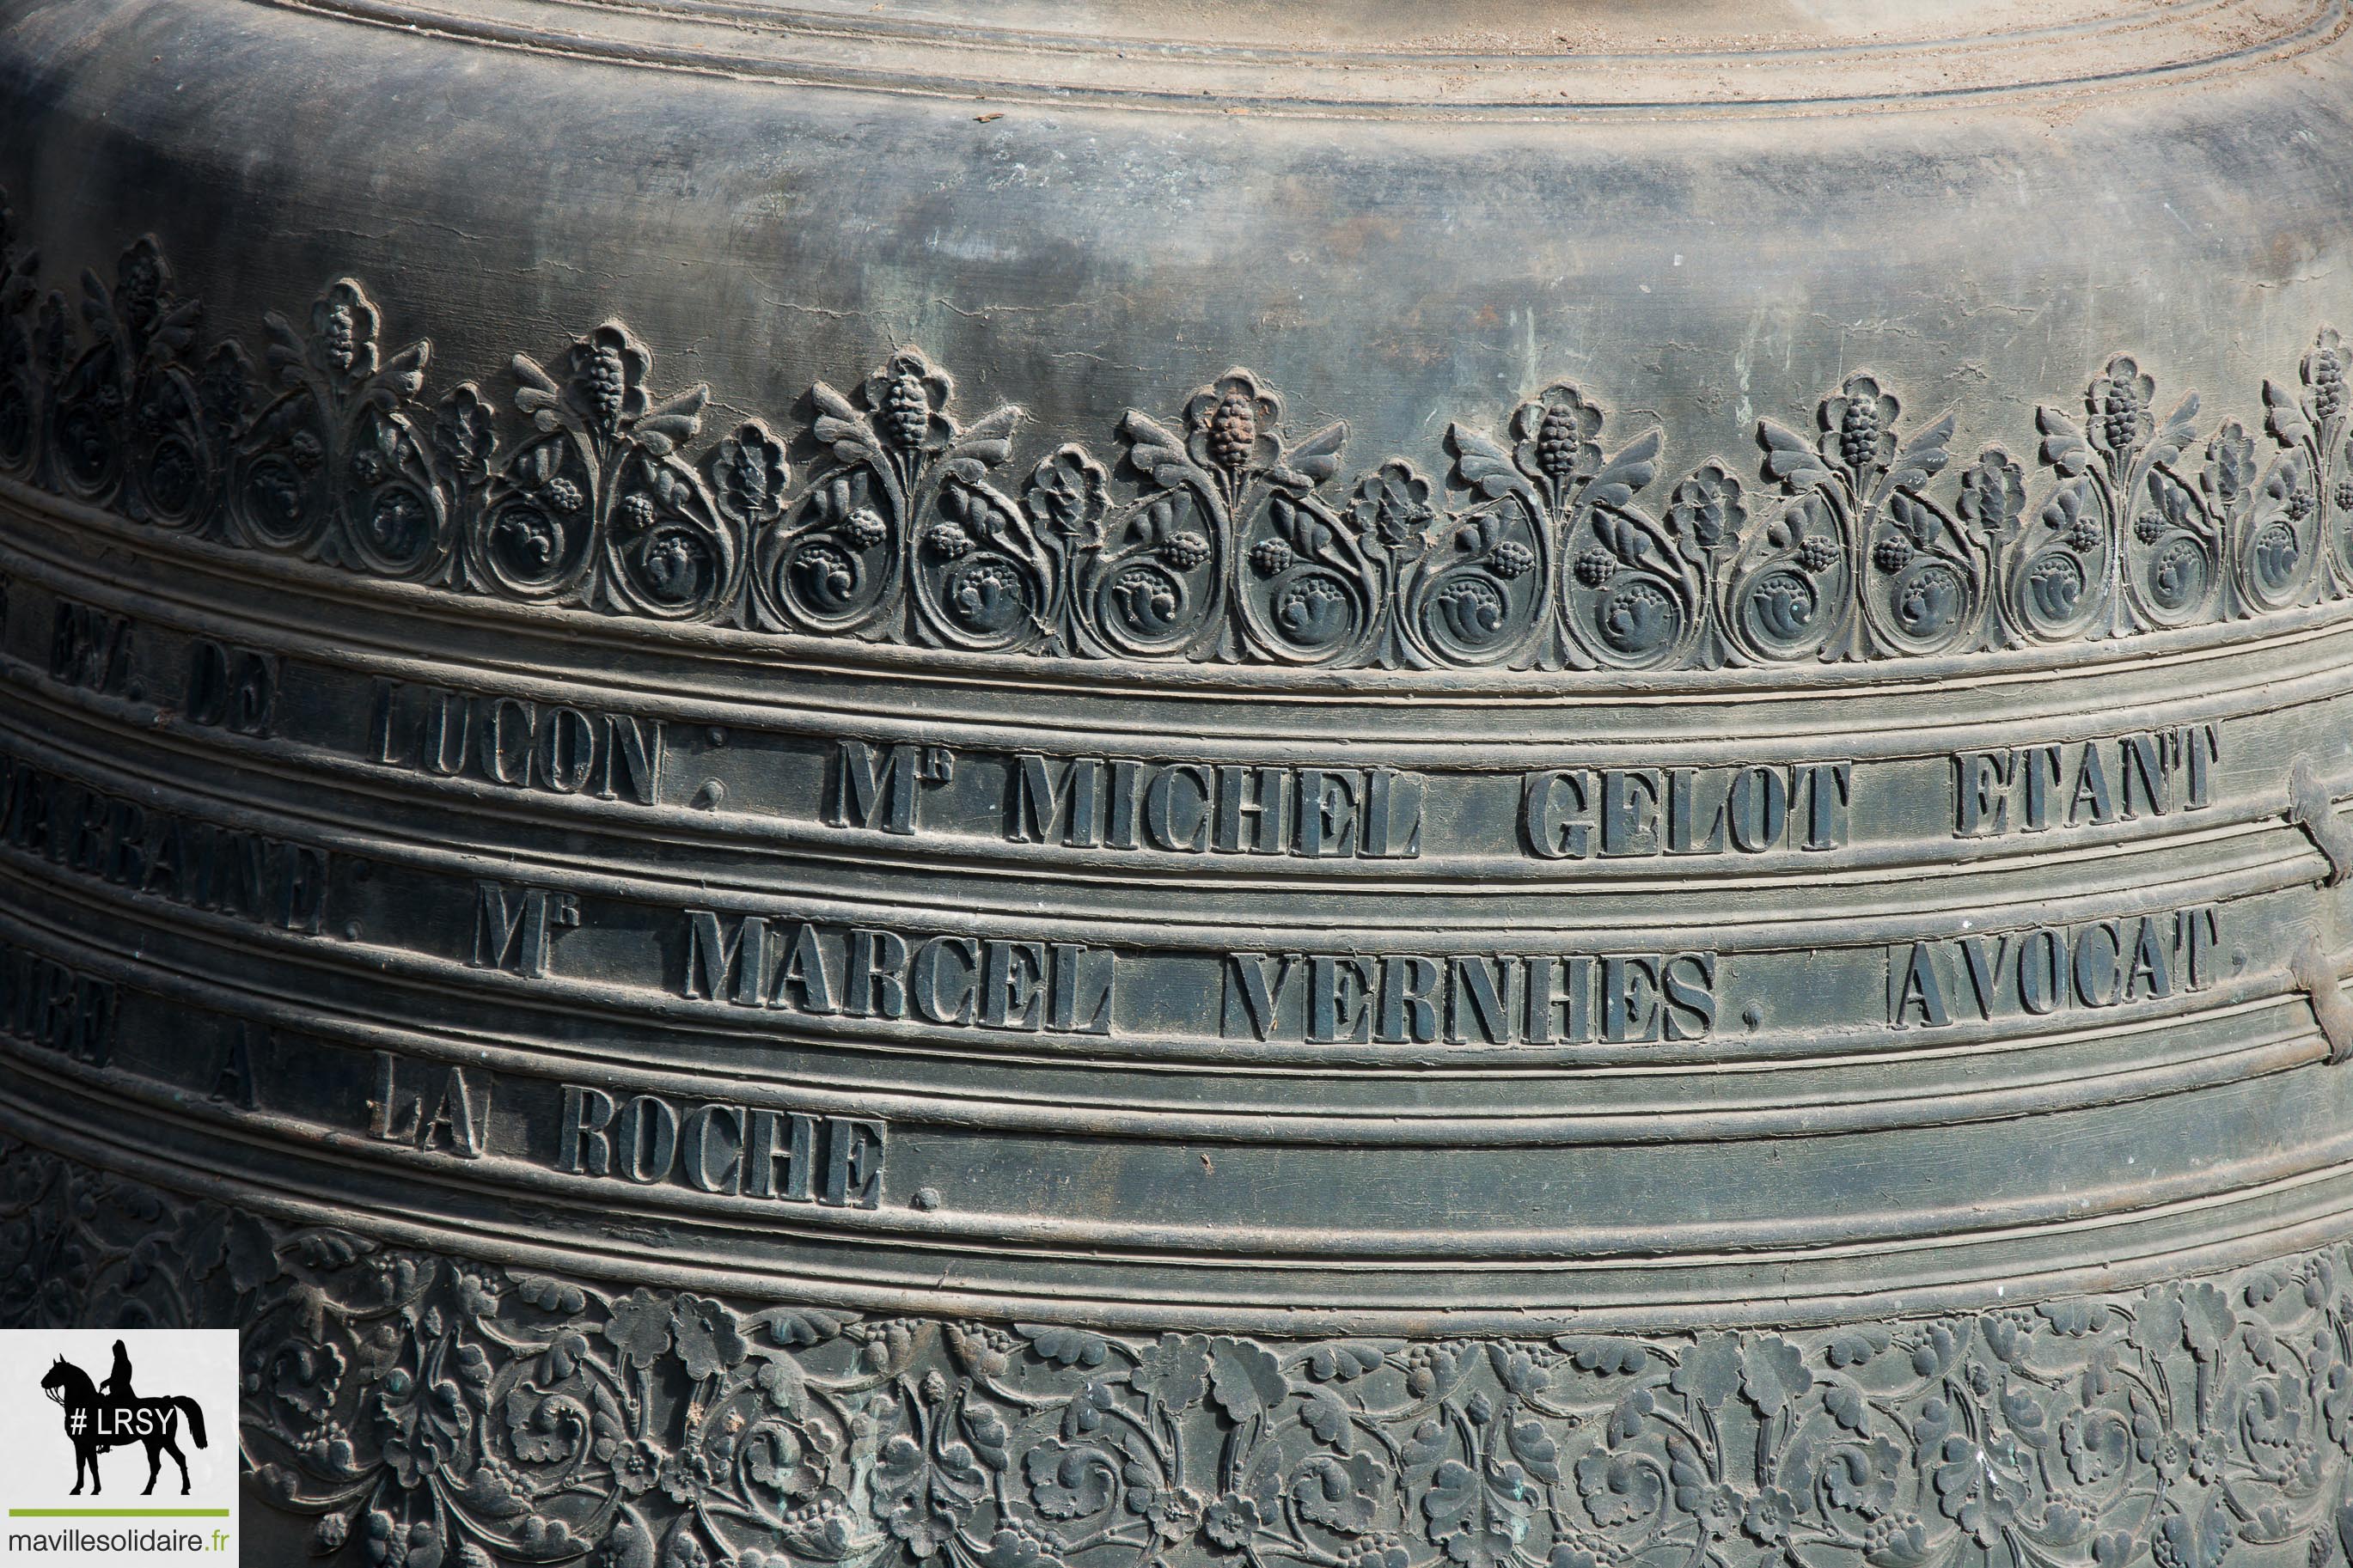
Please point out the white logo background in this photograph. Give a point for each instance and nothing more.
(37, 1455)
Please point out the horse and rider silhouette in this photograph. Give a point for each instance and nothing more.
(98, 1417)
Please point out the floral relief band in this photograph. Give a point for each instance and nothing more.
(438, 1410)
(1552, 544)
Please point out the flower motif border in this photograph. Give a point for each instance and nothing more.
(1219, 535)
(424, 1409)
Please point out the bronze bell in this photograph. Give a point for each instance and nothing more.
(1092, 785)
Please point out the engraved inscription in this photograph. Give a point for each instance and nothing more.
(554, 747)
(2099, 963)
(875, 787)
(1192, 808)
(1573, 816)
(990, 983)
(1321, 998)
(58, 1008)
(752, 1151)
(514, 927)
(91, 649)
(2084, 783)
(234, 1083)
(231, 688)
(202, 865)
(1573, 813)
(429, 1108)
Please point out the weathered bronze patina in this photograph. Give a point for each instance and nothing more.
(694, 806)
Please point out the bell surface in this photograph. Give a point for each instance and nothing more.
(1066, 785)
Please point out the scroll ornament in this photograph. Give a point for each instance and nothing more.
(423, 1409)
(1211, 533)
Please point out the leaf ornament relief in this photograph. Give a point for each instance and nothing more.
(2124, 541)
(1228, 553)
(1858, 560)
(24, 398)
(1553, 564)
(421, 1410)
(599, 507)
(330, 467)
(1218, 533)
(901, 535)
(2303, 547)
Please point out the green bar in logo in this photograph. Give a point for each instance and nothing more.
(117, 1513)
